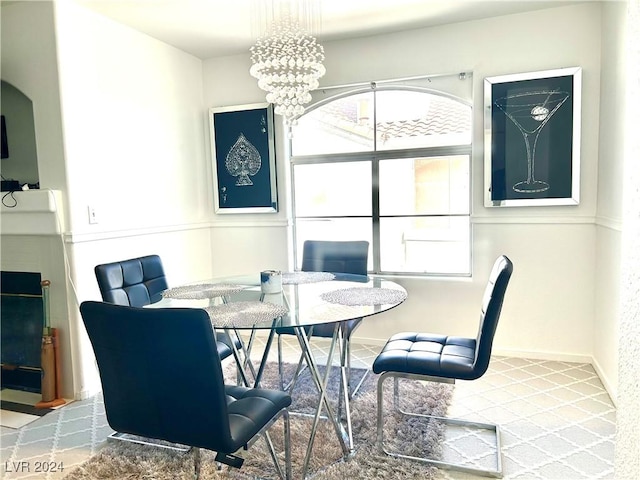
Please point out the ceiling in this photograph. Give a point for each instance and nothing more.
(212, 28)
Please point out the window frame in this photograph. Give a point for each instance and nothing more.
(374, 157)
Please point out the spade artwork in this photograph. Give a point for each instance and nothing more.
(243, 155)
(243, 161)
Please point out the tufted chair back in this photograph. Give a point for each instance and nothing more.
(135, 282)
(492, 300)
(335, 256)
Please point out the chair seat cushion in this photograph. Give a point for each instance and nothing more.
(250, 409)
(428, 354)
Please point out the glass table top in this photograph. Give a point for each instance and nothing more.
(306, 299)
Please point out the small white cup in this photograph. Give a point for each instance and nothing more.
(271, 281)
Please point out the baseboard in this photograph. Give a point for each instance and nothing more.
(608, 386)
(376, 342)
(543, 355)
(85, 393)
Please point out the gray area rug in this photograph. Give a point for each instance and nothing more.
(120, 460)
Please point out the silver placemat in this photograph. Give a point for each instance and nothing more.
(364, 296)
(244, 314)
(201, 291)
(295, 278)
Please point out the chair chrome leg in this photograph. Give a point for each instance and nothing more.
(497, 473)
(280, 369)
(236, 356)
(264, 433)
(360, 382)
(396, 394)
(265, 355)
(343, 394)
(122, 437)
(353, 392)
(299, 369)
(287, 445)
(196, 462)
(272, 452)
(343, 391)
(347, 359)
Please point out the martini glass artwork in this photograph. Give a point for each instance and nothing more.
(530, 112)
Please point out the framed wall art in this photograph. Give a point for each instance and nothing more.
(532, 138)
(243, 157)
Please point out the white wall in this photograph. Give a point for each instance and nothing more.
(610, 204)
(627, 453)
(132, 113)
(550, 308)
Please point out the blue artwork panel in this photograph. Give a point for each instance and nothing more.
(532, 126)
(244, 163)
(21, 319)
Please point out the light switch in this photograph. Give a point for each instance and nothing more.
(93, 217)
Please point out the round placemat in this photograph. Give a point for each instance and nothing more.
(364, 296)
(244, 314)
(201, 290)
(295, 278)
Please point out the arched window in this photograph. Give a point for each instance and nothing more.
(391, 165)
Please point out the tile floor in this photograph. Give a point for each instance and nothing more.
(557, 423)
(15, 419)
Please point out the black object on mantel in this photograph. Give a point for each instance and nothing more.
(4, 143)
(11, 186)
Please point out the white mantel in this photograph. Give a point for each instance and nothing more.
(36, 212)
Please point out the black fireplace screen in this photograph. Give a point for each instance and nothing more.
(21, 323)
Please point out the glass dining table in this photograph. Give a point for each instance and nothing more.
(236, 305)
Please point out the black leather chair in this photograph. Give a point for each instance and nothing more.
(135, 282)
(162, 379)
(335, 256)
(348, 257)
(445, 359)
(140, 281)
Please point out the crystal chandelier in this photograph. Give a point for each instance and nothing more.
(287, 61)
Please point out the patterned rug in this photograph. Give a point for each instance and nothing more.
(133, 462)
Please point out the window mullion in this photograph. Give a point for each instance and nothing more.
(383, 155)
(375, 212)
(375, 193)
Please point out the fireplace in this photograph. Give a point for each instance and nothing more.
(21, 329)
